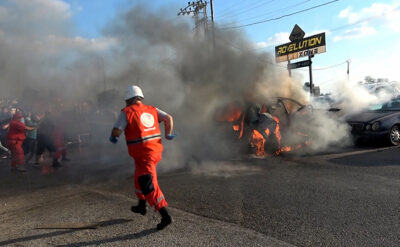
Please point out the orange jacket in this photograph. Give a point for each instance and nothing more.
(16, 130)
(142, 132)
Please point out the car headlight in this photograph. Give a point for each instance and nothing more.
(375, 126)
(368, 127)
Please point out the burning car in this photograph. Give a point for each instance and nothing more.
(380, 121)
(266, 128)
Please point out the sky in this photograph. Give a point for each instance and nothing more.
(363, 34)
(77, 50)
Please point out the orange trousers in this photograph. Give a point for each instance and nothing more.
(17, 153)
(146, 183)
(58, 140)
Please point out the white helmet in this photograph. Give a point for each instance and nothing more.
(133, 91)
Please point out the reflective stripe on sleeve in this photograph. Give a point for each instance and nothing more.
(144, 139)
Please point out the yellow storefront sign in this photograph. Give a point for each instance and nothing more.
(307, 46)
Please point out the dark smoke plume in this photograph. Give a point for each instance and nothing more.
(180, 72)
(186, 76)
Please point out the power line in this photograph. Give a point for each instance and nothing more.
(242, 50)
(228, 9)
(275, 11)
(244, 10)
(266, 61)
(329, 67)
(280, 17)
(335, 78)
(282, 66)
(369, 18)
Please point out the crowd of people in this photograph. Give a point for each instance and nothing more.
(25, 135)
(40, 123)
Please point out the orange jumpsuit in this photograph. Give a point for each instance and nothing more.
(58, 139)
(143, 137)
(14, 139)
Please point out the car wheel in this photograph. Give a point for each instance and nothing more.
(394, 135)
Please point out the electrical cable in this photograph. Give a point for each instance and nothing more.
(369, 18)
(282, 66)
(328, 67)
(244, 10)
(241, 49)
(228, 9)
(275, 11)
(280, 17)
(332, 30)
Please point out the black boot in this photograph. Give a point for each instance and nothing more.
(165, 219)
(56, 164)
(64, 158)
(140, 208)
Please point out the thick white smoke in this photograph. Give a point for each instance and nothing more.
(179, 72)
(354, 97)
(329, 128)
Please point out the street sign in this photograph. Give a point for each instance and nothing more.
(299, 64)
(296, 34)
(300, 47)
(305, 47)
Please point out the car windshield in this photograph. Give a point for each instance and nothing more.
(393, 105)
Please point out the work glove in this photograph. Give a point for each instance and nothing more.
(113, 139)
(170, 137)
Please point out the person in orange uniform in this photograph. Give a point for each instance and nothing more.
(58, 138)
(140, 124)
(14, 139)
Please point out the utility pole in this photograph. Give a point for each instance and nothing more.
(348, 70)
(199, 11)
(310, 71)
(212, 22)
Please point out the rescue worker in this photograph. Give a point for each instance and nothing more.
(140, 123)
(59, 142)
(15, 137)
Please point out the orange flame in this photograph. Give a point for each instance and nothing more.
(277, 130)
(290, 148)
(257, 142)
(234, 114)
(231, 114)
(241, 127)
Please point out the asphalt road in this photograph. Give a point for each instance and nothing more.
(346, 198)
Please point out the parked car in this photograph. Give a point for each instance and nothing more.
(380, 121)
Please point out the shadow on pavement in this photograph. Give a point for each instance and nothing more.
(58, 233)
(115, 239)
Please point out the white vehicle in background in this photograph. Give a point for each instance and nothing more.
(383, 86)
